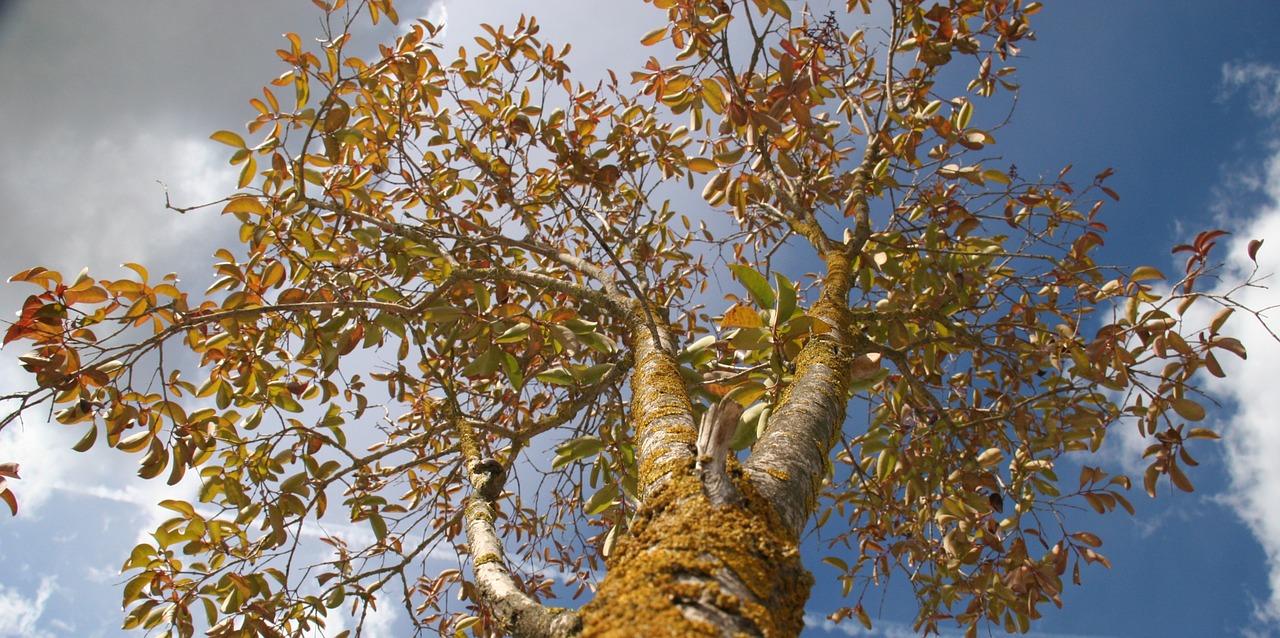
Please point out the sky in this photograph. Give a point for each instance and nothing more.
(104, 106)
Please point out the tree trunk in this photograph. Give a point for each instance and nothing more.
(690, 568)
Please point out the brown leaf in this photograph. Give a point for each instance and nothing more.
(1230, 345)
(1254, 245)
(11, 500)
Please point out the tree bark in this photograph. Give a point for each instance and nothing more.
(691, 568)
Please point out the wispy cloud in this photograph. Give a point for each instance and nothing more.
(1261, 82)
(20, 614)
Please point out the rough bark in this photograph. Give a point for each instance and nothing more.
(660, 410)
(790, 460)
(691, 568)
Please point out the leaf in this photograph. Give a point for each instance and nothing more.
(990, 457)
(836, 562)
(655, 36)
(1142, 273)
(786, 299)
(1211, 364)
(1179, 479)
(1088, 538)
(1202, 433)
(741, 316)
(87, 440)
(702, 165)
(12, 501)
(181, 507)
(715, 192)
(135, 442)
(1216, 324)
(248, 172)
(601, 500)
(755, 283)
(1252, 250)
(580, 448)
(245, 205)
(228, 138)
(861, 614)
(558, 376)
(1230, 345)
(379, 526)
(1188, 409)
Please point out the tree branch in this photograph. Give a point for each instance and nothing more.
(515, 611)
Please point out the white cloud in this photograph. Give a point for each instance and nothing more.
(20, 614)
(1260, 81)
(1251, 433)
(882, 629)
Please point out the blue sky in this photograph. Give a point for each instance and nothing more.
(98, 103)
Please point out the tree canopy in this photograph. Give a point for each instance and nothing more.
(599, 340)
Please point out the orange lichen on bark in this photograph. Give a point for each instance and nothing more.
(662, 414)
(673, 563)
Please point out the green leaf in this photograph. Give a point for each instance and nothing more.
(786, 299)
(577, 449)
(755, 283)
(513, 334)
(602, 500)
(558, 376)
(379, 526)
(485, 364)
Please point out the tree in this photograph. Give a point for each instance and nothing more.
(452, 267)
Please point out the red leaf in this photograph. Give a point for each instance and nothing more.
(22, 326)
(1204, 240)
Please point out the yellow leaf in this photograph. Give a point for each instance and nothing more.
(702, 165)
(740, 316)
(990, 457)
(714, 192)
(1145, 272)
(248, 172)
(780, 7)
(653, 37)
(245, 205)
(135, 442)
(228, 138)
